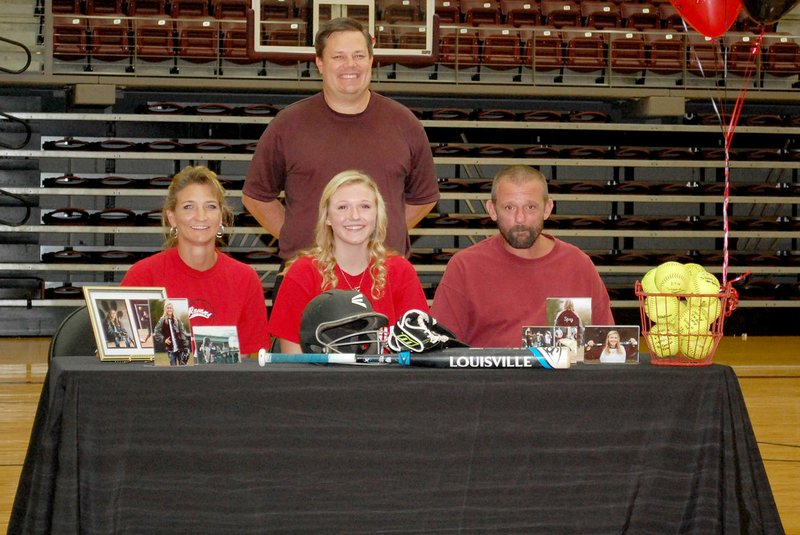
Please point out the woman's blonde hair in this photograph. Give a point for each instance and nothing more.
(322, 251)
(188, 176)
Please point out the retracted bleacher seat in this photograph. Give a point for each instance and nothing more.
(560, 13)
(477, 12)
(640, 16)
(520, 12)
(110, 39)
(600, 15)
(70, 36)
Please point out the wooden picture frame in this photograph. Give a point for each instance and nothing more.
(121, 321)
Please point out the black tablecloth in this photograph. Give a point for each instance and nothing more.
(129, 448)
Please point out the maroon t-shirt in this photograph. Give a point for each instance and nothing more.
(308, 143)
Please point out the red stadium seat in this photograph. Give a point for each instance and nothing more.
(198, 40)
(628, 53)
(520, 12)
(234, 42)
(231, 9)
(705, 56)
(543, 49)
(640, 16)
(138, 8)
(189, 8)
(670, 18)
(781, 55)
(585, 51)
(277, 9)
(70, 37)
(155, 38)
(448, 10)
(413, 37)
(477, 12)
(399, 10)
(291, 32)
(600, 15)
(66, 6)
(560, 13)
(743, 56)
(459, 47)
(667, 52)
(104, 7)
(110, 39)
(502, 48)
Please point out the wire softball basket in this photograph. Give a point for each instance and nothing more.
(684, 329)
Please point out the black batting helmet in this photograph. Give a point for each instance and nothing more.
(342, 321)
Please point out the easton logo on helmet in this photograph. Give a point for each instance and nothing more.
(358, 300)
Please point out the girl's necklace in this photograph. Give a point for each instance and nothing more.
(350, 285)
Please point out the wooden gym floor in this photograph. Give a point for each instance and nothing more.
(768, 369)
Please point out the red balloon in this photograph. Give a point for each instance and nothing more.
(768, 11)
(712, 18)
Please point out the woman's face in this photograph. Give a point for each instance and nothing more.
(112, 315)
(352, 214)
(197, 215)
(613, 339)
(168, 311)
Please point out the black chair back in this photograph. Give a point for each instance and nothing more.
(74, 337)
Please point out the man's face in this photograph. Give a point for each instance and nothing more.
(520, 211)
(345, 66)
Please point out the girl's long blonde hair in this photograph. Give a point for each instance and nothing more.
(619, 341)
(322, 251)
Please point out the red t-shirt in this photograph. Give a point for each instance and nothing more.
(230, 293)
(303, 282)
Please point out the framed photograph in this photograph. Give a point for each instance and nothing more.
(172, 338)
(611, 344)
(216, 344)
(121, 321)
(537, 336)
(549, 337)
(569, 317)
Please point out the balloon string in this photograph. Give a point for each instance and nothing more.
(734, 120)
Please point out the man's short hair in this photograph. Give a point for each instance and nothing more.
(341, 24)
(519, 174)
